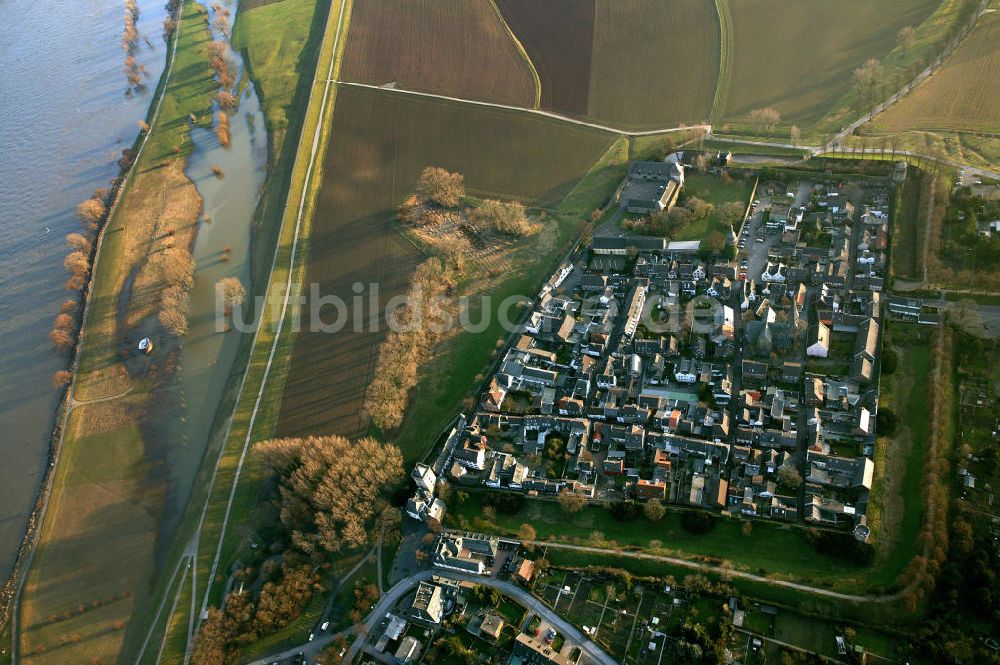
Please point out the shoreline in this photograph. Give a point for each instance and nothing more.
(10, 592)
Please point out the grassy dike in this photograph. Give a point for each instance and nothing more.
(89, 578)
(291, 83)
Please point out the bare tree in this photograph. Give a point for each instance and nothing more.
(867, 77)
(907, 36)
(222, 127)
(91, 211)
(571, 502)
(225, 99)
(232, 293)
(505, 217)
(177, 265)
(174, 321)
(78, 241)
(765, 118)
(62, 340)
(76, 263)
(61, 378)
(795, 134)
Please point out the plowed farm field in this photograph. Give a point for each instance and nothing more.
(655, 62)
(380, 142)
(459, 48)
(559, 37)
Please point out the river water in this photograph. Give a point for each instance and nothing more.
(64, 118)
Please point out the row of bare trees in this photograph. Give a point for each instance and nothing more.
(134, 71)
(407, 348)
(77, 263)
(919, 577)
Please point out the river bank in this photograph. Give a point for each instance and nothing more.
(144, 421)
(65, 116)
(109, 113)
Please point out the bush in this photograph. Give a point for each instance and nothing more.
(494, 216)
(843, 545)
(625, 511)
(504, 502)
(886, 422)
(697, 521)
(890, 359)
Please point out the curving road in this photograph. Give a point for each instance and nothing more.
(400, 589)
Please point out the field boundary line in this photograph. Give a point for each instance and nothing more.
(317, 135)
(726, 45)
(524, 54)
(510, 107)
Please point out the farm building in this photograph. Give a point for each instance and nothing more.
(652, 186)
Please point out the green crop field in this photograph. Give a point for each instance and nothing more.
(956, 97)
(654, 63)
(799, 57)
(381, 142)
(459, 48)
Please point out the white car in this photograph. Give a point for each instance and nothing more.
(326, 624)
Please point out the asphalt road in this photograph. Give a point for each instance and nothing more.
(393, 595)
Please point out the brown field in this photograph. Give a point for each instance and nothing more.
(458, 48)
(655, 63)
(956, 97)
(799, 57)
(380, 142)
(558, 36)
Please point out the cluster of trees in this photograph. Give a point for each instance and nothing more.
(451, 650)
(331, 491)
(219, 61)
(134, 72)
(500, 217)
(177, 268)
(246, 617)
(439, 189)
(968, 589)
(672, 223)
(439, 186)
(419, 325)
(364, 596)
